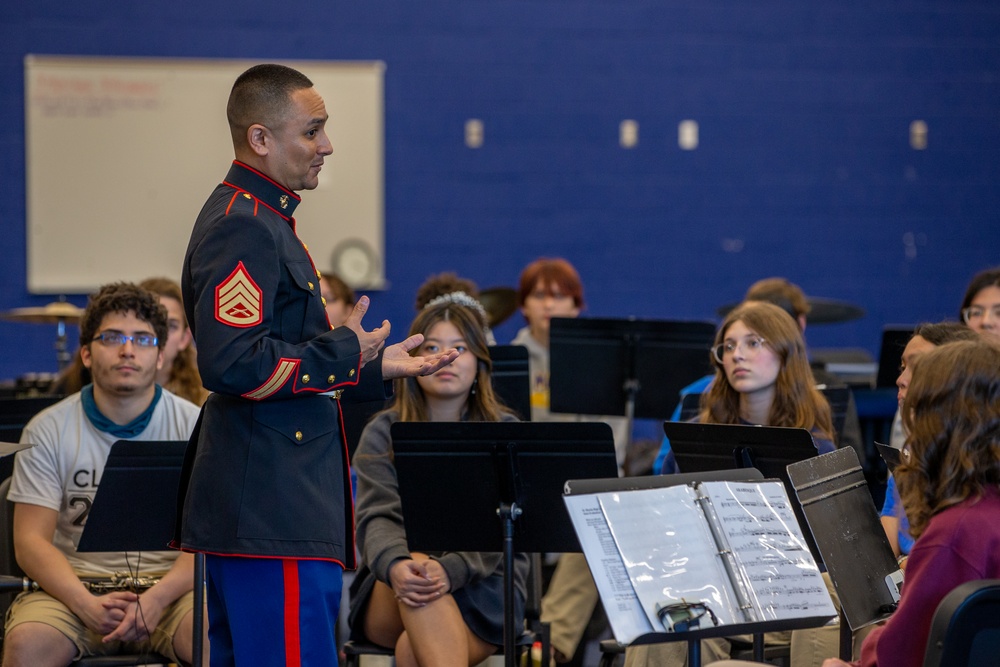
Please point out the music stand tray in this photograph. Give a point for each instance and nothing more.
(612, 366)
(770, 449)
(135, 506)
(459, 477)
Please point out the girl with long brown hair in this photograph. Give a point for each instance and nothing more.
(762, 375)
(434, 610)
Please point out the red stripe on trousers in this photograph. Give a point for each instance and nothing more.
(293, 657)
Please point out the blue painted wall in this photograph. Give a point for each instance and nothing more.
(804, 167)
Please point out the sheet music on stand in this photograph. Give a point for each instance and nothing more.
(734, 547)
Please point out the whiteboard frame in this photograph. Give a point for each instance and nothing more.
(121, 154)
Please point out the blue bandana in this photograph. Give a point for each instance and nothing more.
(102, 423)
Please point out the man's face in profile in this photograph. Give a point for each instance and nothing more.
(298, 143)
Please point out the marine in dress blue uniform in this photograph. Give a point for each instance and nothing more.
(267, 471)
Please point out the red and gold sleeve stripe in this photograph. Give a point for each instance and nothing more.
(285, 369)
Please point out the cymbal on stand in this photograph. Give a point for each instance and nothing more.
(499, 303)
(53, 313)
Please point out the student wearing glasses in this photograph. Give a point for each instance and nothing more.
(122, 335)
(981, 305)
(762, 377)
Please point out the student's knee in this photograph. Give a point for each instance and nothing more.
(34, 644)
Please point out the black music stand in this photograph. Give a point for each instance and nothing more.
(625, 367)
(462, 475)
(694, 637)
(890, 455)
(511, 378)
(135, 508)
(894, 340)
(15, 413)
(770, 449)
(845, 524)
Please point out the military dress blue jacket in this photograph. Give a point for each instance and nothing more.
(266, 473)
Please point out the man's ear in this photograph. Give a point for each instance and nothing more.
(258, 139)
(85, 356)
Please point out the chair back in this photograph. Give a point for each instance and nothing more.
(965, 630)
(8, 564)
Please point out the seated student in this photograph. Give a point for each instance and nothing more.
(338, 298)
(925, 337)
(449, 285)
(810, 647)
(950, 484)
(179, 373)
(790, 298)
(762, 376)
(434, 610)
(551, 287)
(981, 304)
(122, 335)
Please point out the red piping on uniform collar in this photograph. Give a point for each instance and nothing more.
(267, 178)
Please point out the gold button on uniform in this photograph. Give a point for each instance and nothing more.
(331, 379)
(311, 286)
(305, 379)
(324, 301)
(351, 374)
(318, 274)
(298, 436)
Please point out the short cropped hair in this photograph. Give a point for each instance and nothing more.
(781, 292)
(552, 272)
(262, 94)
(123, 298)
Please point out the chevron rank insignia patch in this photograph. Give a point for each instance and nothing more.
(238, 300)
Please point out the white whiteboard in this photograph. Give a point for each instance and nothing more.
(122, 153)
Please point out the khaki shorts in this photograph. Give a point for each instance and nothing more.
(40, 607)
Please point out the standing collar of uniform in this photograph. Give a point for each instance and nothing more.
(276, 197)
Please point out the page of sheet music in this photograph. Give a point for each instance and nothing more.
(765, 537)
(668, 551)
(621, 605)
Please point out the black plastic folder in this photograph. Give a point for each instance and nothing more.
(842, 518)
(136, 502)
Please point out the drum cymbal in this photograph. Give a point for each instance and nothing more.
(499, 303)
(53, 313)
(821, 311)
